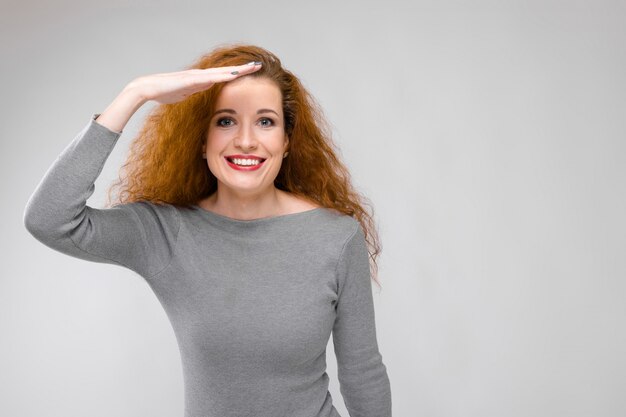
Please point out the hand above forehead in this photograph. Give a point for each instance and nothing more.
(166, 88)
(172, 87)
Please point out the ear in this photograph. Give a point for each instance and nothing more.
(286, 141)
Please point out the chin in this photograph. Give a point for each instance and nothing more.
(242, 189)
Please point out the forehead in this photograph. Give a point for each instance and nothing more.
(250, 92)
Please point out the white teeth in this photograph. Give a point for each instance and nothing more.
(246, 162)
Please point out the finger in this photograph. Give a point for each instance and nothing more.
(204, 81)
(241, 69)
(223, 74)
(248, 68)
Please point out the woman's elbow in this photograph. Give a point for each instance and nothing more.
(37, 223)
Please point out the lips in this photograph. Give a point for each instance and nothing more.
(247, 156)
(244, 162)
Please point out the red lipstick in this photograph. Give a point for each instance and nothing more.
(230, 161)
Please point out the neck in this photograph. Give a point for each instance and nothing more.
(243, 206)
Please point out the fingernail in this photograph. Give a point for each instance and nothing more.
(251, 63)
(258, 63)
(235, 72)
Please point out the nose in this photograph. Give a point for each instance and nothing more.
(246, 138)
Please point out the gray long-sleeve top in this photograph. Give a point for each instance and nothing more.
(252, 302)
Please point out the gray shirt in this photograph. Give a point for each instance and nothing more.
(252, 302)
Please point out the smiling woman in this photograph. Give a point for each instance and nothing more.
(236, 210)
(163, 165)
(247, 135)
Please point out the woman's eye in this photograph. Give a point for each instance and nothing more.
(265, 122)
(225, 122)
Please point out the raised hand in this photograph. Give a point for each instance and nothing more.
(172, 87)
(166, 88)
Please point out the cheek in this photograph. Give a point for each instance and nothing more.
(215, 141)
(212, 153)
(277, 142)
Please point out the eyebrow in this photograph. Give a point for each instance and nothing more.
(231, 111)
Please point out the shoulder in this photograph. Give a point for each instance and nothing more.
(148, 207)
(335, 225)
(331, 222)
(162, 215)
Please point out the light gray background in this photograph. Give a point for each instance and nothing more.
(489, 136)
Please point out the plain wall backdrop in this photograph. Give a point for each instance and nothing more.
(489, 135)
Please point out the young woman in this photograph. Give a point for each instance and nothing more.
(236, 210)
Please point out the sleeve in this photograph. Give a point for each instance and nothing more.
(363, 379)
(139, 236)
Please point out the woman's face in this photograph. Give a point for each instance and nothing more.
(246, 139)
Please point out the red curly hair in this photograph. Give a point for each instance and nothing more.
(164, 164)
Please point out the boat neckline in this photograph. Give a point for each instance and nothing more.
(269, 219)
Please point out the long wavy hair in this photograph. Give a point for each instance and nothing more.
(164, 163)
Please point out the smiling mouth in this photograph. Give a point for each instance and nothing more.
(245, 162)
